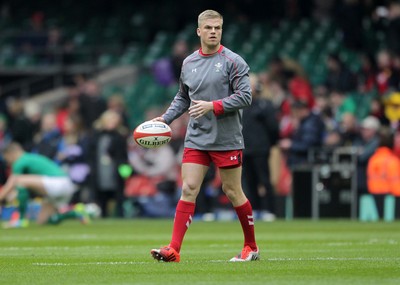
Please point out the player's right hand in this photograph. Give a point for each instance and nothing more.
(158, 119)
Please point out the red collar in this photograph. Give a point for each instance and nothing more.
(209, 54)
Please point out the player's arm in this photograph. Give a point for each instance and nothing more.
(178, 106)
(11, 183)
(240, 82)
(8, 187)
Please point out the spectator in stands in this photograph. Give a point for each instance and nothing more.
(21, 128)
(91, 103)
(383, 170)
(280, 99)
(73, 152)
(332, 139)
(349, 130)
(300, 88)
(384, 63)
(108, 151)
(341, 103)
(393, 29)
(323, 108)
(349, 16)
(54, 46)
(68, 107)
(61, 114)
(33, 112)
(394, 79)
(5, 135)
(277, 70)
(260, 132)
(167, 70)
(157, 166)
(308, 134)
(116, 103)
(339, 76)
(3, 170)
(366, 77)
(369, 143)
(33, 38)
(377, 110)
(47, 141)
(3, 104)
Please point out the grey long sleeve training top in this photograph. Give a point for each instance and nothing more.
(223, 78)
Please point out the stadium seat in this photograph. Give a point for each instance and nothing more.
(7, 54)
(132, 55)
(25, 60)
(106, 59)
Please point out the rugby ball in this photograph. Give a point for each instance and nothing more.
(152, 134)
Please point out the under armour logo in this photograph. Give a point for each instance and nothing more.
(234, 157)
(194, 70)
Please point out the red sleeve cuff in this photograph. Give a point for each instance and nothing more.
(218, 107)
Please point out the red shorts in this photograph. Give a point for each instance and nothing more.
(221, 159)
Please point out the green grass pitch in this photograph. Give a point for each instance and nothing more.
(118, 252)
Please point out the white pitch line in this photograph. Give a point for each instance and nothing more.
(223, 261)
(336, 259)
(88, 263)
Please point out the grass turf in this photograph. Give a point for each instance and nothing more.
(117, 252)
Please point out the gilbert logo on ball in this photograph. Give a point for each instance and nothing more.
(152, 134)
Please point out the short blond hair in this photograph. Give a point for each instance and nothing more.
(209, 14)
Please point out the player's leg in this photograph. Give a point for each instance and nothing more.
(192, 177)
(77, 212)
(23, 201)
(46, 211)
(231, 185)
(49, 214)
(33, 183)
(25, 183)
(59, 194)
(231, 179)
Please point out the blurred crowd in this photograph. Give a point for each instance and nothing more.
(90, 137)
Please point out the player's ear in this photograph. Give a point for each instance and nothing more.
(198, 31)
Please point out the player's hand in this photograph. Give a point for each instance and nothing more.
(200, 108)
(158, 119)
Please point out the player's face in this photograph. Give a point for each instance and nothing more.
(210, 33)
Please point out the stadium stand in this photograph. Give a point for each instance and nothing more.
(45, 46)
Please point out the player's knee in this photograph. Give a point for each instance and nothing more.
(231, 191)
(190, 190)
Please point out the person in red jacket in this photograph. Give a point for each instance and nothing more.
(383, 170)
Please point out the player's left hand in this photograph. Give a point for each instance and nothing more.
(199, 108)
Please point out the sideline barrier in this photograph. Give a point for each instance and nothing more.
(368, 210)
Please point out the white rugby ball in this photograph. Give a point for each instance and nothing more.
(152, 134)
